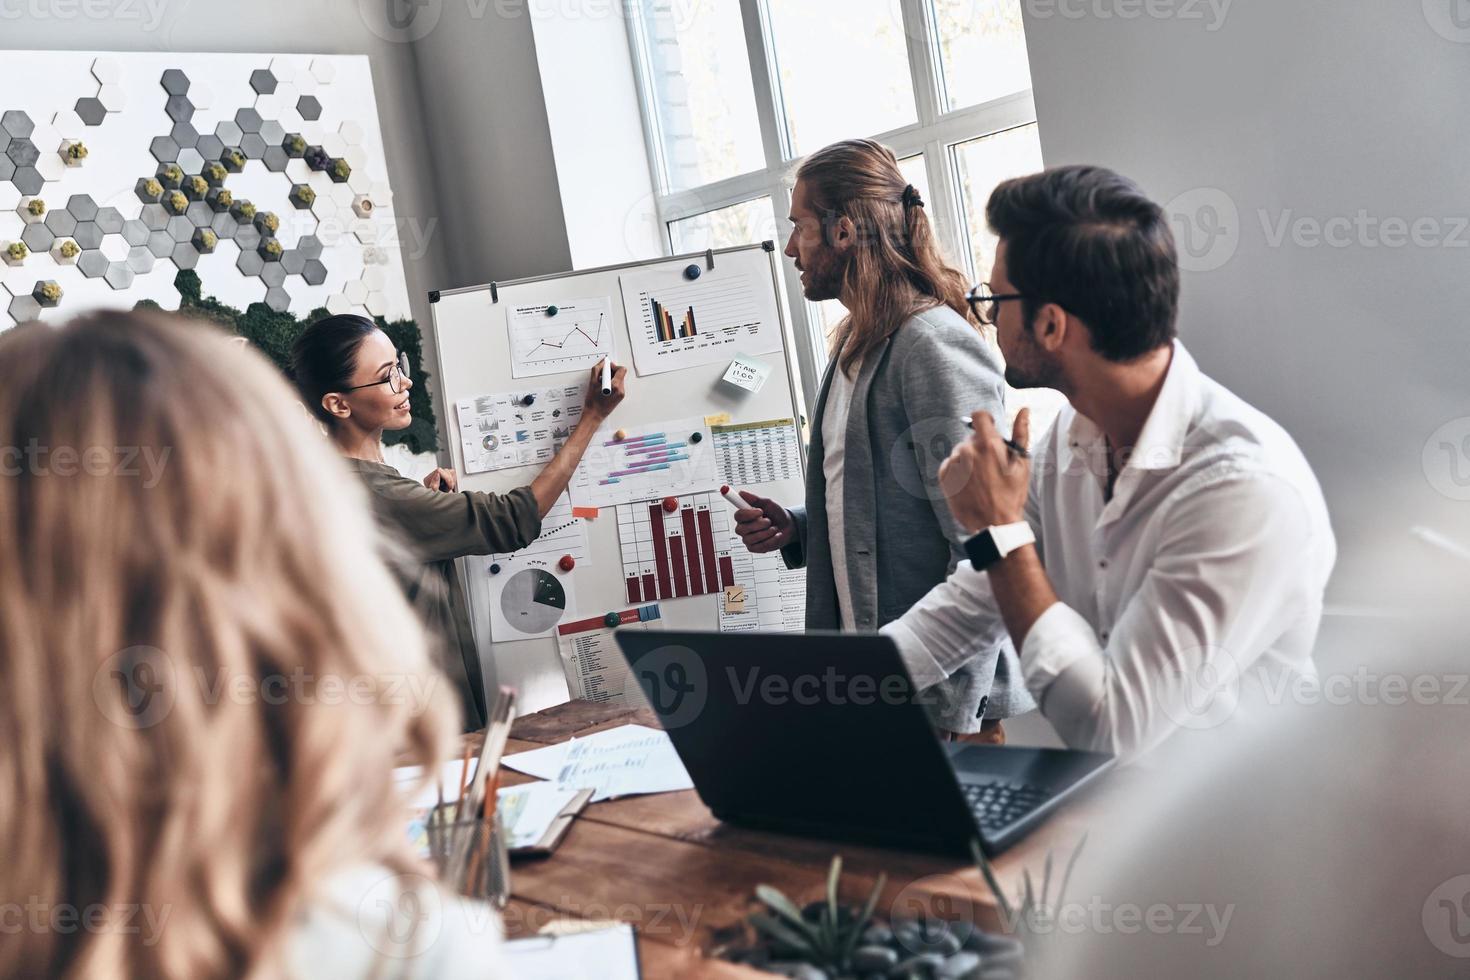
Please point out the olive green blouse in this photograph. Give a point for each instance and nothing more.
(438, 527)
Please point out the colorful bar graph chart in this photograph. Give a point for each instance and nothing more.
(659, 459)
(675, 555)
(663, 322)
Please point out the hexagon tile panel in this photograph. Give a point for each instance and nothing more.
(265, 174)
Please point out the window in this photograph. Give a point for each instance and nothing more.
(739, 224)
(852, 47)
(736, 91)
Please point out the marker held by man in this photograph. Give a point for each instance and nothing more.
(734, 499)
(1011, 444)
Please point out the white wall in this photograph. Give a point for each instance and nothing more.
(1302, 109)
(596, 133)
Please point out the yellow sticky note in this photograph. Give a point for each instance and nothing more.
(723, 418)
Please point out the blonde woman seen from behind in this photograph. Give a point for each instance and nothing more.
(208, 676)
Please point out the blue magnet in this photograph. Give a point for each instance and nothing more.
(696, 437)
(495, 569)
(529, 400)
(552, 311)
(693, 272)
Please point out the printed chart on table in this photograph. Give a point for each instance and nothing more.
(657, 460)
(679, 553)
(555, 339)
(757, 452)
(517, 428)
(676, 323)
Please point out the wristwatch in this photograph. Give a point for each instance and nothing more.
(994, 543)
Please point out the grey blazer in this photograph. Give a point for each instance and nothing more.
(908, 405)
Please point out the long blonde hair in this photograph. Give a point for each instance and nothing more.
(191, 591)
(897, 267)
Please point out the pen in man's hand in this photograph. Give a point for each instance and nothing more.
(1011, 444)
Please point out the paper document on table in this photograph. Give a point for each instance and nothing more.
(609, 954)
(623, 761)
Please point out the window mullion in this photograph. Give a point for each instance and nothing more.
(924, 68)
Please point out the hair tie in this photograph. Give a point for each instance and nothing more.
(911, 198)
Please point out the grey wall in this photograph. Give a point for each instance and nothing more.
(494, 168)
(1305, 109)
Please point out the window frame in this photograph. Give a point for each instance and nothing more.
(933, 136)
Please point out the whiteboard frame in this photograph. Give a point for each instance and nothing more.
(709, 259)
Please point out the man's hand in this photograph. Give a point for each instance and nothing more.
(765, 525)
(442, 479)
(984, 480)
(597, 406)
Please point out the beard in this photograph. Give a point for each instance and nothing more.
(824, 275)
(1028, 366)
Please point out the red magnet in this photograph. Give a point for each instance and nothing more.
(567, 563)
(671, 504)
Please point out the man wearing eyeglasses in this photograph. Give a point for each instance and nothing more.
(1161, 555)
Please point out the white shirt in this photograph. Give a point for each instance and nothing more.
(834, 443)
(1188, 592)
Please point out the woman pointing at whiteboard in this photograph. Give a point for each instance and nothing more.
(355, 382)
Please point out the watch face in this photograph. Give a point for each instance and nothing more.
(982, 550)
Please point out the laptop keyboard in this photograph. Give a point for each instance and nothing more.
(998, 804)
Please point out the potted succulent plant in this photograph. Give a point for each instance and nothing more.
(205, 240)
(15, 253)
(302, 196)
(64, 251)
(294, 145)
(271, 249)
(220, 199)
(195, 188)
(47, 292)
(214, 174)
(73, 152)
(171, 176)
(148, 189)
(175, 202)
(339, 170)
(232, 159)
(32, 209)
(267, 223)
(363, 206)
(243, 211)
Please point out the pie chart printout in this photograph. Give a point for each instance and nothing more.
(533, 601)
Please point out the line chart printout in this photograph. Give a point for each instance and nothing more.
(660, 459)
(674, 554)
(555, 339)
(676, 323)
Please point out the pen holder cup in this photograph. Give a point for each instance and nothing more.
(470, 855)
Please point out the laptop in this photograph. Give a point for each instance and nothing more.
(822, 734)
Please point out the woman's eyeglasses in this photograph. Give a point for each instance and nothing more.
(985, 304)
(397, 375)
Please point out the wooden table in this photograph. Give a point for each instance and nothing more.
(665, 864)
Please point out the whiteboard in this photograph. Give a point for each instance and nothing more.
(474, 359)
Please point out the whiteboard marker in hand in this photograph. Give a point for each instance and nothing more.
(734, 498)
(607, 376)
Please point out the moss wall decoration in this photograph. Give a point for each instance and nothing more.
(273, 334)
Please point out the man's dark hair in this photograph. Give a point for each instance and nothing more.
(1090, 241)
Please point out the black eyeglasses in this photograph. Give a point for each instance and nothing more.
(397, 375)
(985, 304)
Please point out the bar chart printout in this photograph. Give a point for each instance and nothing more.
(661, 459)
(674, 555)
(676, 323)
